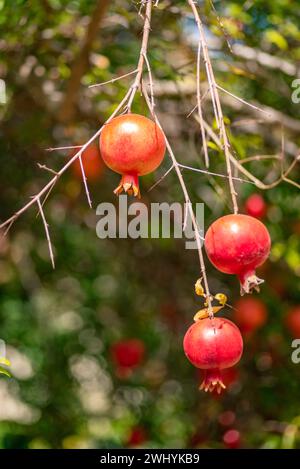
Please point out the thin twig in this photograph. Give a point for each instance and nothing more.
(114, 79)
(216, 102)
(260, 184)
(209, 173)
(43, 166)
(143, 52)
(63, 148)
(161, 178)
(46, 226)
(150, 81)
(84, 178)
(204, 143)
(243, 101)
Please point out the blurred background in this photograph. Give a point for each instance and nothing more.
(96, 345)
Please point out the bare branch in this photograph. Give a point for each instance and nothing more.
(244, 101)
(43, 166)
(260, 184)
(187, 201)
(161, 178)
(143, 52)
(204, 143)
(216, 103)
(46, 226)
(48, 187)
(114, 79)
(85, 182)
(209, 173)
(63, 148)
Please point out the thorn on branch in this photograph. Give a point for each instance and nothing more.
(43, 166)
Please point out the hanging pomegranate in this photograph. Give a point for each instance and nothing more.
(212, 345)
(133, 146)
(238, 244)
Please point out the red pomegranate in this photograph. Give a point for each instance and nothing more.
(137, 436)
(212, 345)
(256, 206)
(128, 354)
(133, 146)
(293, 321)
(250, 314)
(238, 244)
(232, 439)
(91, 161)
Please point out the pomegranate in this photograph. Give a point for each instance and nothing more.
(127, 355)
(256, 206)
(250, 314)
(212, 345)
(137, 436)
(232, 439)
(133, 146)
(293, 321)
(238, 244)
(91, 161)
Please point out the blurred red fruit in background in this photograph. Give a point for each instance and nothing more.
(138, 436)
(250, 314)
(292, 321)
(127, 355)
(256, 206)
(226, 418)
(92, 163)
(232, 439)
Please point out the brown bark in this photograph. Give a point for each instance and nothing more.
(81, 63)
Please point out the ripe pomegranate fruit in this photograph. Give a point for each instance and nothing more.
(256, 206)
(250, 314)
(91, 161)
(293, 321)
(238, 244)
(232, 439)
(133, 146)
(212, 345)
(127, 355)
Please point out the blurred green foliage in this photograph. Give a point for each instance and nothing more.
(59, 325)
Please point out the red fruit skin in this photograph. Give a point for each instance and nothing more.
(128, 353)
(133, 146)
(232, 439)
(255, 206)
(250, 314)
(238, 244)
(92, 164)
(213, 344)
(293, 321)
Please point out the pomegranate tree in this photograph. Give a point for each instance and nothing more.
(133, 146)
(256, 206)
(238, 244)
(212, 345)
